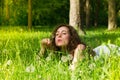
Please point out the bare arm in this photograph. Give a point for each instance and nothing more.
(78, 55)
(45, 43)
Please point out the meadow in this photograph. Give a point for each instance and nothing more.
(19, 47)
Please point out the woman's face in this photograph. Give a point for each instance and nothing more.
(62, 36)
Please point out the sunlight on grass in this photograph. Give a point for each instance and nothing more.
(18, 49)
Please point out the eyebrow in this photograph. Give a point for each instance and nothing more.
(62, 31)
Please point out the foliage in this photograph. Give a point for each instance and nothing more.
(44, 12)
(17, 12)
(50, 12)
(18, 61)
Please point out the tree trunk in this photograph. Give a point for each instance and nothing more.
(0, 7)
(29, 14)
(2, 11)
(14, 14)
(82, 12)
(111, 15)
(87, 13)
(96, 13)
(7, 16)
(74, 16)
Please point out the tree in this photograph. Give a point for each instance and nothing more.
(74, 16)
(1, 11)
(87, 13)
(97, 13)
(7, 15)
(29, 14)
(111, 15)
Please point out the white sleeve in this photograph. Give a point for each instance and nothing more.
(103, 49)
(106, 49)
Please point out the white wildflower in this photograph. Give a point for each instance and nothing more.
(64, 59)
(5, 51)
(40, 62)
(70, 57)
(96, 58)
(92, 66)
(37, 57)
(80, 72)
(30, 69)
(39, 76)
(9, 62)
(48, 58)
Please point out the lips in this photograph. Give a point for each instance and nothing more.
(59, 40)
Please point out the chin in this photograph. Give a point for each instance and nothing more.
(60, 45)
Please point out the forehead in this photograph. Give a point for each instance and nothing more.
(63, 28)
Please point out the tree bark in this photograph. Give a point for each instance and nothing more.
(96, 12)
(74, 16)
(14, 2)
(2, 11)
(111, 15)
(0, 7)
(87, 13)
(29, 14)
(7, 16)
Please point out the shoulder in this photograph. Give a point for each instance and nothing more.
(82, 47)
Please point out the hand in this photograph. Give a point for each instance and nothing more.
(45, 41)
(81, 47)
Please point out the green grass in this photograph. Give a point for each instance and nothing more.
(18, 49)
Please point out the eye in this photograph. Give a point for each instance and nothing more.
(64, 33)
(56, 34)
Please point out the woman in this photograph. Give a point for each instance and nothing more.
(65, 38)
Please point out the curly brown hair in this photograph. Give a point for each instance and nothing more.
(74, 39)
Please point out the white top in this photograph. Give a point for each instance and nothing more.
(106, 49)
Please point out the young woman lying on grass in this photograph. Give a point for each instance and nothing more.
(65, 39)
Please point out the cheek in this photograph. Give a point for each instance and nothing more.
(55, 39)
(66, 39)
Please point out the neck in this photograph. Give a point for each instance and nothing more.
(64, 49)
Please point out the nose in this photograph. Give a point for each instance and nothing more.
(59, 35)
